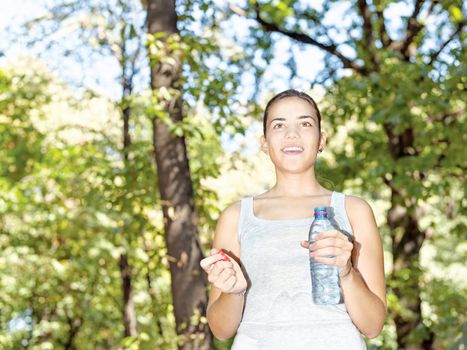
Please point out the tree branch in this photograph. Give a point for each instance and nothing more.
(388, 182)
(444, 116)
(383, 33)
(368, 31)
(303, 38)
(435, 54)
(430, 10)
(413, 28)
(367, 26)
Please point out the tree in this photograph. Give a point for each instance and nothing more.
(60, 223)
(112, 30)
(399, 91)
(107, 30)
(179, 49)
(175, 184)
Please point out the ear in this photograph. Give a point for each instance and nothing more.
(264, 145)
(322, 140)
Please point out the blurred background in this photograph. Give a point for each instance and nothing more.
(126, 126)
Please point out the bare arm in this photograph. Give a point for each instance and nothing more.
(228, 283)
(364, 286)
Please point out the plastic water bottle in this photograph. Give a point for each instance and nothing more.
(324, 278)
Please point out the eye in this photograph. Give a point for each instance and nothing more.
(278, 125)
(307, 124)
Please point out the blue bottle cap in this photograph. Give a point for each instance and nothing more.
(321, 211)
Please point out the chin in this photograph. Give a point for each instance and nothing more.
(294, 170)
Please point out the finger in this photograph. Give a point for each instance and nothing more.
(326, 234)
(305, 244)
(336, 252)
(332, 242)
(328, 251)
(230, 282)
(210, 260)
(215, 256)
(215, 275)
(330, 233)
(226, 275)
(339, 261)
(224, 284)
(323, 243)
(225, 264)
(340, 234)
(214, 272)
(225, 257)
(325, 260)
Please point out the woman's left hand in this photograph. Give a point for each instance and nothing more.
(332, 248)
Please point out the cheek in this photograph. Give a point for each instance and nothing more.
(310, 136)
(274, 144)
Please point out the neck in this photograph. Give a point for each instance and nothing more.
(297, 185)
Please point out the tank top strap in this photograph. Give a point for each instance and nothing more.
(246, 210)
(340, 212)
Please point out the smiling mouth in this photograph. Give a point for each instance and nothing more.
(292, 150)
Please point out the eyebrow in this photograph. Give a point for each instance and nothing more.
(300, 117)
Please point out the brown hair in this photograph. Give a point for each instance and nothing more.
(290, 93)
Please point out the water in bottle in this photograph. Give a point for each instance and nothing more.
(324, 278)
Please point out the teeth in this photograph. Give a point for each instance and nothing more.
(288, 149)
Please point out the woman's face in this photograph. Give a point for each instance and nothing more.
(292, 135)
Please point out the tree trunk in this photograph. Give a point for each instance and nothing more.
(75, 325)
(152, 295)
(176, 190)
(407, 240)
(129, 315)
(128, 307)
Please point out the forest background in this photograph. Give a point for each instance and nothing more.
(127, 126)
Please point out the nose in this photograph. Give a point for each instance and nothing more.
(291, 133)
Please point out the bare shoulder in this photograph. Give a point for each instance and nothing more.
(226, 230)
(361, 216)
(231, 213)
(357, 207)
(356, 203)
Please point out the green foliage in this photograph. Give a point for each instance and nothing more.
(20, 141)
(211, 84)
(70, 207)
(63, 226)
(401, 96)
(445, 301)
(410, 96)
(395, 122)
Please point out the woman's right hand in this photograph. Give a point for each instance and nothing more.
(224, 272)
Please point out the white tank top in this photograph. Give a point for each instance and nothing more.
(279, 312)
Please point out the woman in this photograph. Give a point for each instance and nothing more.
(258, 269)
